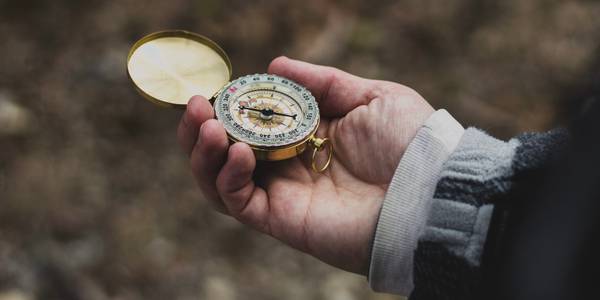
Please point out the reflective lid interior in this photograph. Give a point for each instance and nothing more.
(169, 67)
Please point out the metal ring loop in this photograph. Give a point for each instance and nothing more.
(324, 142)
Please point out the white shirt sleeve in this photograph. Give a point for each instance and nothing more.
(405, 208)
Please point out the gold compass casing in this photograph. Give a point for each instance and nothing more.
(283, 152)
(169, 67)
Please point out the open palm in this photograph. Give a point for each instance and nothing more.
(331, 215)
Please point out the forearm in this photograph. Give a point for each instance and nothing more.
(448, 256)
(475, 180)
(441, 254)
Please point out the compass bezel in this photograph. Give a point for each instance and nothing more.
(231, 92)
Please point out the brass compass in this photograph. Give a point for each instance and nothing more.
(275, 116)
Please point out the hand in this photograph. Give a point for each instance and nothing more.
(331, 215)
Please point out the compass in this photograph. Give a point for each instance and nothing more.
(277, 117)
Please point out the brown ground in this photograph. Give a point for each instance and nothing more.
(96, 200)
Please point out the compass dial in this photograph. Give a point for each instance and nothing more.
(267, 111)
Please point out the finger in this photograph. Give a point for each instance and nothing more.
(243, 199)
(197, 112)
(338, 92)
(208, 157)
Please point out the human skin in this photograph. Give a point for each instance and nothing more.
(330, 215)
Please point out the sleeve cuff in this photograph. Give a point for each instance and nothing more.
(405, 208)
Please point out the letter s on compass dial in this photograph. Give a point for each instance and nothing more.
(267, 111)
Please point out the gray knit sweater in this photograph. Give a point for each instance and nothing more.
(436, 215)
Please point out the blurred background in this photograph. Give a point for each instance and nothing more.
(98, 202)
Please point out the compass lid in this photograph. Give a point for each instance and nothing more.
(169, 67)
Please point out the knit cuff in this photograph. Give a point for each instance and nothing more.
(406, 204)
(478, 170)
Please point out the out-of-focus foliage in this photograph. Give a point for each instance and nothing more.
(96, 200)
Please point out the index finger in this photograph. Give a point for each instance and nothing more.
(338, 92)
(196, 113)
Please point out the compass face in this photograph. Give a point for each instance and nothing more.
(267, 111)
